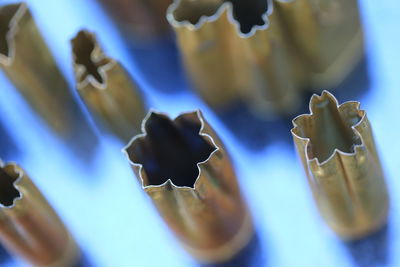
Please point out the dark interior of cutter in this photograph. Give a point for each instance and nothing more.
(192, 11)
(171, 150)
(247, 12)
(7, 190)
(83, 46)
(330, 130)
(6, 14)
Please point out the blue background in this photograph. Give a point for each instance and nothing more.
(95, 192)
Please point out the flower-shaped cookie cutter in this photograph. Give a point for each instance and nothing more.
(235, 51)
(337, 149)
(29, 227)
(184, 168)
(107, 89)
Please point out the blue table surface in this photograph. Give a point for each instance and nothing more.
(101, 202)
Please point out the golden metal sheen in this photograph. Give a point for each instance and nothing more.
(234, 51)
(106, 87)
(337, 149)
(184, 168)
(29, 227)
(327, 34)
(27, 61)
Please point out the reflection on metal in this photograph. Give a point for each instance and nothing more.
(187, 173)
(327, 35)
(28, 63)
(140, 20)
(29, 227)
(338, 152)
(106, 87)
(234, 51)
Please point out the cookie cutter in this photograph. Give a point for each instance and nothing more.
(106, 88)
(29, 227)
(337, 149)
(28, 63)
(184, 168)
(235, 50)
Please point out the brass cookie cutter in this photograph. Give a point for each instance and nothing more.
(29, 227)
(235, 50)
(106, 88)
(337, 149)
(184, 168)
(27, 61)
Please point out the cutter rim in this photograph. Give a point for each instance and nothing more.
(20, 173)
(336, 151)
(144, 134)
(22, 9)
(95, 55)
(228, 6)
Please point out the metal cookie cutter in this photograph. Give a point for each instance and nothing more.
(326, 34)
(27, 61)
(29, 227)
(235, 50)
(337, 149)
(106, 87)
(184, 168)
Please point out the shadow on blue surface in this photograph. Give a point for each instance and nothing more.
(254, 132)
(81, 139)
(250, 256)
(371, 251)
(84, 261)
(8, 147)
(159, 64)
(4, 255)
(6, 258)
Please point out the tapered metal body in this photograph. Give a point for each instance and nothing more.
(29, 227)
(140, 20)
(184, 168)
(27, 61)
(337, 149)
(326, 34)
(106, 88)
(235, 51)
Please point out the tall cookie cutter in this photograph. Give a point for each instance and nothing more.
(28, 63)
(231, 56)
(29, 227)
(337, 149)
(106, 87)
(184, 168)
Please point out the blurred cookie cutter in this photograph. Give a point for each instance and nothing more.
(106, 88)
